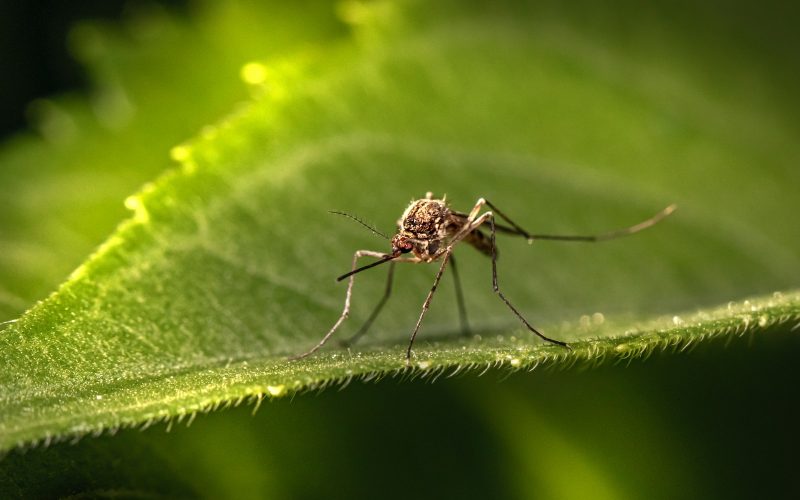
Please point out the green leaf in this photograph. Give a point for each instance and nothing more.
(226, 266)
(63, 188)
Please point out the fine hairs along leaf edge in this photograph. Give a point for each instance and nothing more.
(768, 315)
(271, 376)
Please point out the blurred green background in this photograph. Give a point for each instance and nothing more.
(717, 422)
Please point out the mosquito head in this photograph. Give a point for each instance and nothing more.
(401, 244)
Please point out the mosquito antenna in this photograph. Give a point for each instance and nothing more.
(611, 234)
(386, 258)
(368, 226)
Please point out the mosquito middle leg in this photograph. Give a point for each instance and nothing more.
(462, 309)
(496, 287)
(346, 310)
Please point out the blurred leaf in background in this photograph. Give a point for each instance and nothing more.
(576, 117)
(63, 191)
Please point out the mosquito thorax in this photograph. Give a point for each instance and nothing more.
(424, 220)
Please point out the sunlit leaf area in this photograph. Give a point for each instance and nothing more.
(167, 247)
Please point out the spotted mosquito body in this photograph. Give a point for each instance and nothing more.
(428, 231)
(425, 226)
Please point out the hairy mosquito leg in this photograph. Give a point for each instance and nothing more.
(346, 310)
(427, 303)
(496, 288)
(505, 217)
(361, 331)
(610, 235)
(473, 214)
(462, 310)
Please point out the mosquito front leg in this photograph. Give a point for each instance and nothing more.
(387, 292)
(427, 303)
(346, 311)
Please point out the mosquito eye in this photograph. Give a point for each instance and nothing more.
(406, 247)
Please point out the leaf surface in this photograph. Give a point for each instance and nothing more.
(225, 267)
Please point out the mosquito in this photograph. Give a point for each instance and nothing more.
(429, 230)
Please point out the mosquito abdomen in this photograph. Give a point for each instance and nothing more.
(480, 241)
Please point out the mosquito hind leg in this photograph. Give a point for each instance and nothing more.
(609, 235)
(517, 228)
